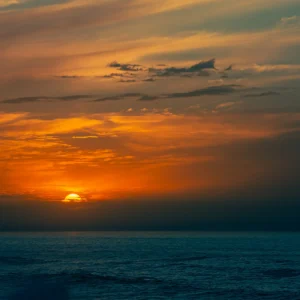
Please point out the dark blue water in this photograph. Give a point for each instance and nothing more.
(150, 265)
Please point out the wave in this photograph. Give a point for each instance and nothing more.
(181, 261)
(247, 294)
(86, 277)
(193, 258)
(282, 273)
(282, 261)
(19, 260)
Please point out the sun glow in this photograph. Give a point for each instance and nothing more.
(73, 198)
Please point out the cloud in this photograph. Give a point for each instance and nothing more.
(26, 127)
(4, 3)
(210, 64)
(198, 69)
(171, 71)
(74, 97)
(118, 97)
(127, 80)
(71, 15)
(229, 68)
(212, 90)
(226, 105)
(263, 94)
(290, 21)
(125, 67)
(84, 137)
(7, 118)
(69, 76)
(45, 98)
(203, 73)
(130, 73)
(113, 75)
(149, 80)
(214, 44)
(148, 98)
(25, 100)
(58, 153)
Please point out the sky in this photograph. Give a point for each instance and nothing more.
(159, 114)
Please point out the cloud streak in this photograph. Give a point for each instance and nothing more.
(125, 67)
(209, 91)
(218, 90)
(46, 98)
(197, 68)
(263, 94)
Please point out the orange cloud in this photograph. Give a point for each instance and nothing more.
(137, 153)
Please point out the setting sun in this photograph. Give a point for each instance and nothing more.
(72, 198)
(149, 144)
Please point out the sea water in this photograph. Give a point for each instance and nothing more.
(149, 265)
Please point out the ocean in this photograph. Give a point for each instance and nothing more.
(149, 265)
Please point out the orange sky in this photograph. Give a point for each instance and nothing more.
(112, 99)
(108, 155)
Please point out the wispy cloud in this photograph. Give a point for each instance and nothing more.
(4, 3)
(46, 98)
(217, 90)
(118, 97)
(148, 98)
(212, 90)
(125, 67)
(171, 71)
(263, 94)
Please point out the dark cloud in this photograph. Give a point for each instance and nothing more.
(143, 97)
(171, 71)
(45, 98)
(75, 97)
(112, 75)
(212, 90)
(125, 67)
(127, 80)
(209, 64)
(69, 77)
(148, 98)
(111, 98)
(149, 80)
(131, 68)
(25, 100)
(263, 94)
(229, 68)
(203, 73)
(186, 75)
(133, 71)
(118, 97)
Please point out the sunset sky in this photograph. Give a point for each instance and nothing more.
(148, 100)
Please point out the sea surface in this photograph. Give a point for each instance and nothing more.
(149, 265)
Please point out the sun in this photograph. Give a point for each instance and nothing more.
(72, 198)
